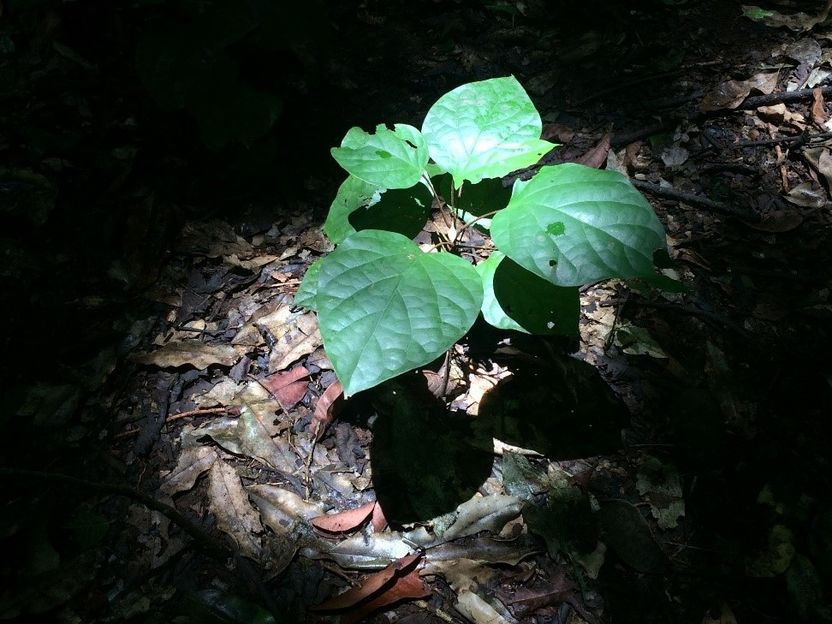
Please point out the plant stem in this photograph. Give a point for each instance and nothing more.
(472, 222)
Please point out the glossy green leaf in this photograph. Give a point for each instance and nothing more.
(484, 129)
(573, 225)
(520, 300)
(354, 193)
(387, 159)
(385, 307)
(305, 296)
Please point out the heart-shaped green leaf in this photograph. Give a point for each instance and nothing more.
(573, 225)
(520, 300)
(484, 129)
(308, 289)
(387, 159)
(385, 307)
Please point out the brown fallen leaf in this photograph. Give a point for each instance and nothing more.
(378, 521)
(597, 156)
(327, 406)
(525, 600)
(229, 503)
(347, 520)
(731, 93)
(190, 353)
(286, 386)
(819, 114)
(371, 585)
(558, 132)
(408, 587)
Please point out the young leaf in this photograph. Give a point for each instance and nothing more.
(484, 129)
(385, 307)
(572, 225)
(387, 159)
(520, 300)
(305, 296)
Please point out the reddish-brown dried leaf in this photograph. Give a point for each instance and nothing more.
(327, 406)
(819, 115)
(348, 520)
(408, 587)
(372, 584)
(597, 156)
(378, 521)
(286, 386)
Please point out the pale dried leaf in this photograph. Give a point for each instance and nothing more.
(820, 159)
(807, 196)
(235, 516)
(464, 574)
(222, 393)
(255, 441)
(362, 552)
(477, 610)
(483, 513)
(190, 353)
(282, 510)
(192, 463)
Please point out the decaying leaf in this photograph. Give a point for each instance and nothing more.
(280, 509)
(820, 159)
(289, 387)
(524, 600)
(597, 156)
(806, 195)
(363, 552)
(327, 406)
(192, 463)
(482, 513)
(235, 516)
(798, 22)
(660, 484)
(190, 353)
(372, 584)
(819, 114)
(627, 533)
(731, 93)
(477, 610)
(464, 574)
(407, 587)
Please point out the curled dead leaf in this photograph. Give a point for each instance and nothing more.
(372, 585)
(327, 406)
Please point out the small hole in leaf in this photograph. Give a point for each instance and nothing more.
(383, 154)
(552, 263)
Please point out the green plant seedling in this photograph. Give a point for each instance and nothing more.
(386, 306)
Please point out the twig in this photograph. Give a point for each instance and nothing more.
(179, 416)
(780, 98)
(695, 200)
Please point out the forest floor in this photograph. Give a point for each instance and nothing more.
(176, 447)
